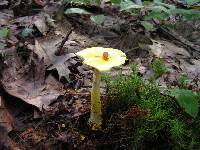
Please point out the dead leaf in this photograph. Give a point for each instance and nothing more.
(7, 123)
(156, 48)
(6, 118)
(29, 84)
(40, 2)
(61, 65)
(34, 135)
(3, 3)
(40, 23)
(5, 17)
(27, 21)
(4, 139)
(46, 48)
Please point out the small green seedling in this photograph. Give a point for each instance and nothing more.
(158, 68)
(182, 81)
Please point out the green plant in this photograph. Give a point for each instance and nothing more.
(177, 129)
(165, 127)
(187, 100)
(182, 81)
(85, 2)
(4, 33)
(158, 68)
(157, 10)
(98, 19)
(153, 10)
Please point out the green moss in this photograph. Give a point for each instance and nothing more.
(182, 80)
(165, 127)
(158, 68)
(177, 129)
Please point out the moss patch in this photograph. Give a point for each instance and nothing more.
(165, 126)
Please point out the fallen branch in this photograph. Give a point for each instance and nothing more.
(60, 50)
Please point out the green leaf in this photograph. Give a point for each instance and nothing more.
(129, 5)
(116, 1)
(148, 26)
(26, 32)
(158, 1)
(157, 15)
(188, 14)
(165, 5)
(76, 11)
(147, 2)
(2, 45)
(99, 19)
(187, 100)
(160, 9)
(190, 2)
(4, 33)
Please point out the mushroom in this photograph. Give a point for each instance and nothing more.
(102, 60)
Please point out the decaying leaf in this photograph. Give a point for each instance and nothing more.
(156, 48)
(29, 84)
(7, 123)
(61, 65)
(46, 49)
(6, 118)
(41, 25)
(40, 2)
(76, 11)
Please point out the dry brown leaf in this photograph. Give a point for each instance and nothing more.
(29, 84)
(6, 118)
(40, 23)
(61, 65)
(41, 2)
(7, 123)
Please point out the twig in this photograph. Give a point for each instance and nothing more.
(60, 50)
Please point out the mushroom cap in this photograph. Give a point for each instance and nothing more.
(94, 57)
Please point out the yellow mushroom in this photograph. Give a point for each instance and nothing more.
(102, 60)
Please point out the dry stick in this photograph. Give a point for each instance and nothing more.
(60, 50)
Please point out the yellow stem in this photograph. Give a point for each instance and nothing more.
(95, 116)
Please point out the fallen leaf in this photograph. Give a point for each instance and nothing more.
(156, 49)
(6, 118)
(40, 2)
(7, 123)
(3, 3)
(76, 11)
(29, 84)
(61, 65)
(41, 25)
(5, 17)
(46, 48)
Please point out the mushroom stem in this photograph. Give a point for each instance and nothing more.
(95, 115)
